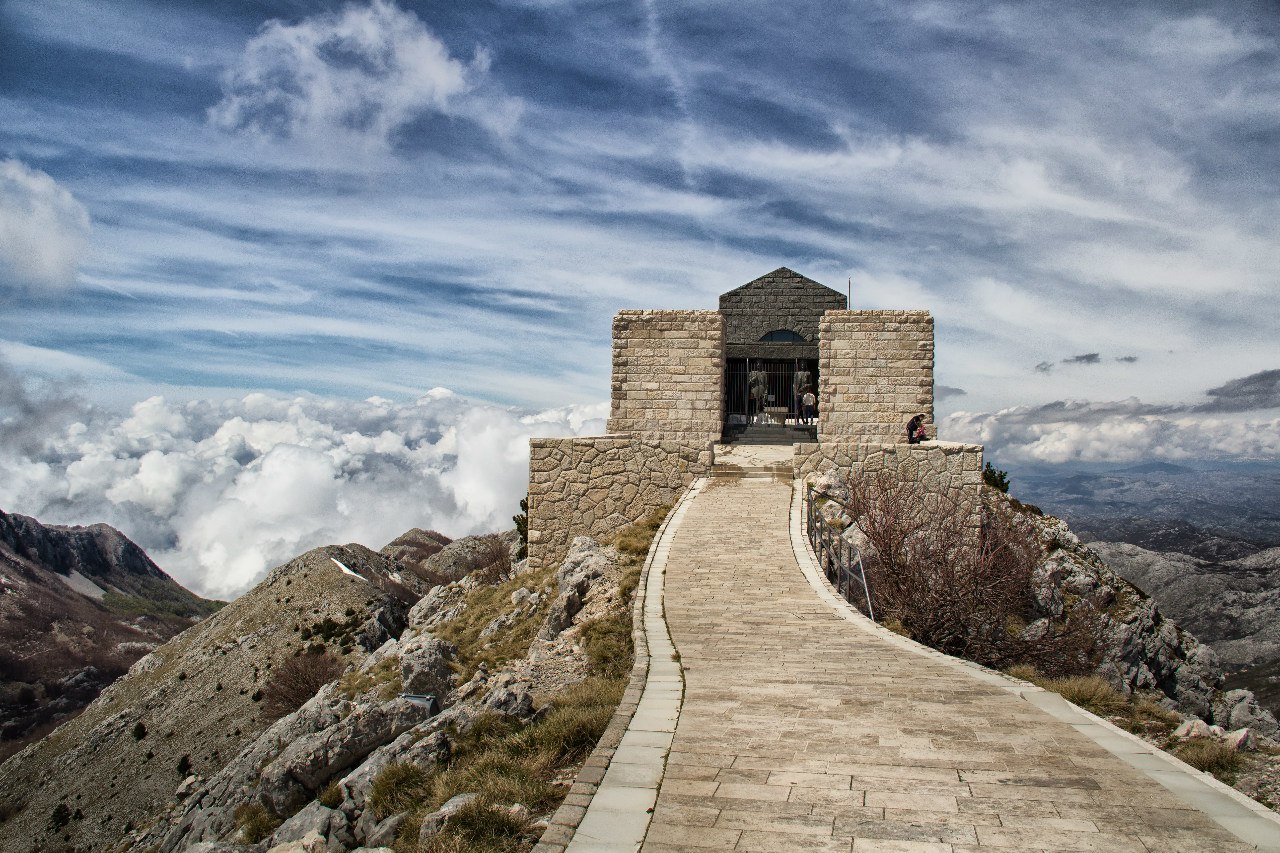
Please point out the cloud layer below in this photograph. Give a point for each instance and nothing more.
(219, 492)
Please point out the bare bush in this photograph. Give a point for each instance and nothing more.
(296, 680)
(962, 588)
(493, 559)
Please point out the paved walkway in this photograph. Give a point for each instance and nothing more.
(799, 725)
(803, 731)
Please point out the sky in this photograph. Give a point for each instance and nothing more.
(305, 221)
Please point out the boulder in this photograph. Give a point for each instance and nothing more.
(312, 842)
(434, 822)
(424, 665)
(314, 818)
(1241, 740)
(384, 832)
(1192, 728)
(1237, 709)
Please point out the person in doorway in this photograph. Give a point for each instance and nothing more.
(807, 402)
(915, 430)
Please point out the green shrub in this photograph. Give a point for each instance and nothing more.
(995, 478)
(255, 822)
(522, 527)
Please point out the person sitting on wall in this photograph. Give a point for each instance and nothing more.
(808, 401)
(915, 430)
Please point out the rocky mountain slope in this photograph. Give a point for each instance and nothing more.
(192, 704)
(78, 605)
(182, 749)
(1234, 604)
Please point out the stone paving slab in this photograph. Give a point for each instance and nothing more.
(800, 730)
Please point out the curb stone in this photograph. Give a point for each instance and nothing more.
(562, 832)
(1247, 819)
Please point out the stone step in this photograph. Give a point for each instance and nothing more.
(722, 471)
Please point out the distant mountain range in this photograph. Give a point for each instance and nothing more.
(78, 605)
(1202, 539)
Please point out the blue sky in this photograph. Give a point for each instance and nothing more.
(380, 198)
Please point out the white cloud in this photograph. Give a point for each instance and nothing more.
(359, 75)
(219, 492)
(1124, 431)
(44, 231)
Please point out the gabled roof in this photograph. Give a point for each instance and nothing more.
(784, 280)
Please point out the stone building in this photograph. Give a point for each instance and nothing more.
(678, 389)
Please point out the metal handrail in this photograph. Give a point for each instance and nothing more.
(836, 555)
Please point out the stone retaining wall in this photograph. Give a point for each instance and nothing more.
(667, 375)
(875, 371)
(592, 486)
(950, 473)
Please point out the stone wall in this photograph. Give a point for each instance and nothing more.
(875, 371)
(667, 375)
(950, 473)
(593, 486)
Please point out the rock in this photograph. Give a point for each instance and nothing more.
(585, 562)
(314, 818)
(1217, 731)
(424, 666)
(1242, 740)
(213, 847)
(434, 822)
(517, 811)
(312, 842)
(1238, 709)
(1192, 728)
(373, 850)
(185, 788)
(384, 833)
(305, 765)
(520, 595)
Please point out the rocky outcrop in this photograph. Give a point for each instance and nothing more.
(1232, 604)
(352, 730)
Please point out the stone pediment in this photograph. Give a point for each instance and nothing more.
(786, 285)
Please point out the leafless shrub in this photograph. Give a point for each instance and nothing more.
(962, 588)
(296, 680)
(493, 559)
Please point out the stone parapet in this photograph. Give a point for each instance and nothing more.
(667, 375)
(949, 473)
(875, 371)
(593, 486)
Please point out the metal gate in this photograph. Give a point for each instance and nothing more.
(779, 383)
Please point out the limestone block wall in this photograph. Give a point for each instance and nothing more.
(591, 486)
(949, 472)
(667, 375)
(875, 370)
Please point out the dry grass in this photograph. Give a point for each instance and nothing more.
(608, 643)
(384, 675)
(1211, 757)
(1139, 714)
(634, 539)
(487, 603)
(255, 822)
(502, 761)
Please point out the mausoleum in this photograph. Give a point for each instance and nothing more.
(682, 384)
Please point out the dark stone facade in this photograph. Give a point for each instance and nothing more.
(782, 299)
